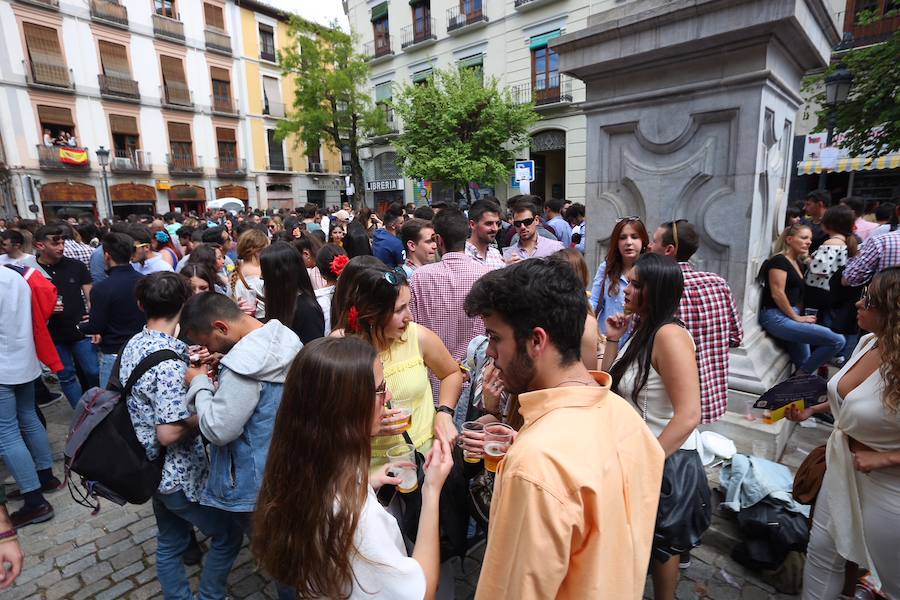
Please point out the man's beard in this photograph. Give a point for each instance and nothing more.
(519, 374)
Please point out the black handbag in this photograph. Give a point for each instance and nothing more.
(685, 505)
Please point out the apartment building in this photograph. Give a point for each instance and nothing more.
(405, 40)
(161, 86)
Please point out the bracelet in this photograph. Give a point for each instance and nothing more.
(612, 340)
(8, 534)
(9, 539)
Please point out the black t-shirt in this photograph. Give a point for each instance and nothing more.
(818, 235)
(68, 275)
(793, 286)
(309, 322)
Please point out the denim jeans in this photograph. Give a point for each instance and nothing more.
(106, 365)
(799, 337)
(85, 354)
(175, 516)
(825, 318)
(24, 445)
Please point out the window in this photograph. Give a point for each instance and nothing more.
(221, 86)
(272, 104)
(181, 146)
(276, 152)
(421, 13)
(126, 140)
(116, 77)
(422, 77)
(215, 19)
(381, 29)
(470, 8)
(267, 43)
(313, 156)
(166, 8)
(55, 120)
(383, 94)
(475, 64)
(544, 69)
(45, 55)
(174, 83)
(227, 146)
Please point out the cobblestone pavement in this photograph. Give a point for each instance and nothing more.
(77, 556)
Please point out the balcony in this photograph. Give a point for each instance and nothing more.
(52, 158)
(118, 87)
(168, 29)
(379, 50)
(231, 167)
(412, 38)
(218, 41)
(391, 124)
(552, 92)
(268, 55)
(131, 162)
(274, 109)
(48, 75)
(185, 166)
(109, 13)
(176, 95)
(315, 167)
(857, 35)
(461, 21)
(49, 4)
(523, 5)
(223, 105)
(279, 163)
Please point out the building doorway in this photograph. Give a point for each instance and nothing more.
(548, 151)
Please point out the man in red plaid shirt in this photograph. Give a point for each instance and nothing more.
(707, 310)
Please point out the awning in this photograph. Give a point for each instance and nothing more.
(422, 75)
(888, 161)
(471, 61)
(379, 12)
(541, 41)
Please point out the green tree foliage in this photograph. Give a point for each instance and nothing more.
(874, 102)
(330, 101)
(456, 130)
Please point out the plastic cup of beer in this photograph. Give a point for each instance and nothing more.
(470, 427)
(404, 455)
(404, 406)
(497, 440)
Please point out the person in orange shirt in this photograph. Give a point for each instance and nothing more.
(575, 497)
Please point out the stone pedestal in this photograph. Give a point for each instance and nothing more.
(690, 108)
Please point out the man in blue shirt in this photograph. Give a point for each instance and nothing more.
(555, 220)
(386, 245)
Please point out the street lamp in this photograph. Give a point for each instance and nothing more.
(837, 90)
(103, 159)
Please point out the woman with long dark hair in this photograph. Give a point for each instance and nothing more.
(318, 526)
(330, 261)
(309, 245)
(201, 279)
(656, 369)
(356, 241)
(627, 242)
(290, 296)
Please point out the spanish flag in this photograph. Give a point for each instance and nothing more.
(73, 156)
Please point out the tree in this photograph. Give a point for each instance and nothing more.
(870, 118)
(329, 101)
(457, 130)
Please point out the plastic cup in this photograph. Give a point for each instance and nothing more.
(469, 428)
(497, 440)
(404, 405)
(405, 457)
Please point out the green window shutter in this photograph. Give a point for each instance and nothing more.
(421, 75)
(417, 2)
(471, 61)
(541, 41)
(380, 12)
(383, 92)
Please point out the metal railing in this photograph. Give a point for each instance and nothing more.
(111, 12)
(168, 28)
(315, 167)
(130, 161)
(45, 73)
(49, 158)
(269, 56)
(279, 164)
(231, 167)
(222, 104)
(176, 94)
(381, 46)
(185, 165)
(216, 39)
(555, 90)
(273, 109)
(411, 35)
(457, 19)
(118, 86)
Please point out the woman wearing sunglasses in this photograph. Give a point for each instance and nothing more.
(377, 310)
(856, 515)
(318, 526)
(627, 242)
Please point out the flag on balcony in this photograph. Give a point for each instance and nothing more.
(73, 156)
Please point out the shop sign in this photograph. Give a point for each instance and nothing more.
(163, 184)
(384, 185)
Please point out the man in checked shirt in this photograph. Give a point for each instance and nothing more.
(707, 310)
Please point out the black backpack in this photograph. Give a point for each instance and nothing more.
(102, 447)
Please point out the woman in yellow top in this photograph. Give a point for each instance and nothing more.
(377, 310)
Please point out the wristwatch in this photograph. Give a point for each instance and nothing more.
(444, 409)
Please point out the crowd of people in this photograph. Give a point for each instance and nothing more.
(366, 397)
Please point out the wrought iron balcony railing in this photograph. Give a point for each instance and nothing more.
(168, 28)
(218, 41)
(555, 90)
(54, 158)
(231, 167)
(185, 165)
(458, 19)
(130, 161)
(413, 35)
(378, 48)
(109, 12)
(118, 86)
(48, 73)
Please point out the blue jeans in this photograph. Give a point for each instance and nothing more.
(799, 337)
(24, 445)
(106, 365)
(175, 516)
(825, 318)
(85, 353)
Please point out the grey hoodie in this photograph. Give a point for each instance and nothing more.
(262, 356)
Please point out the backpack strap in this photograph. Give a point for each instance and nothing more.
(147, 363)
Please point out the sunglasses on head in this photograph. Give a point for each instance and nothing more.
(628, 219)
(397, 276)
(526, 222)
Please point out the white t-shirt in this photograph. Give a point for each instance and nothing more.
(382, 568)
(26, 260)
(323, 297)
(20, 363)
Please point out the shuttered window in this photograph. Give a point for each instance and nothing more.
(214, 16)
(45, 55)
(218, 74)
(174, 81)
(266, 43)
(179, 132)
(114, 59)
(227, 146)
(123, 125)
(54, 115)
(223, 134)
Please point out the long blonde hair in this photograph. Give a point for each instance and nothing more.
(884, 291)
(249, 245)
(781, 246)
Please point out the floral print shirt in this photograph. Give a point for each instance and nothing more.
(160, 397)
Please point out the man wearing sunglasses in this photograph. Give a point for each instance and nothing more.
(530, 245)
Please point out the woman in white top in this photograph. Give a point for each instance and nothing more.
(318, 527)
(657, 371)
(857, 515)
(246, 284)
(330, 266)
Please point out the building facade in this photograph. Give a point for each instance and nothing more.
(405, 40)
(169, 88)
